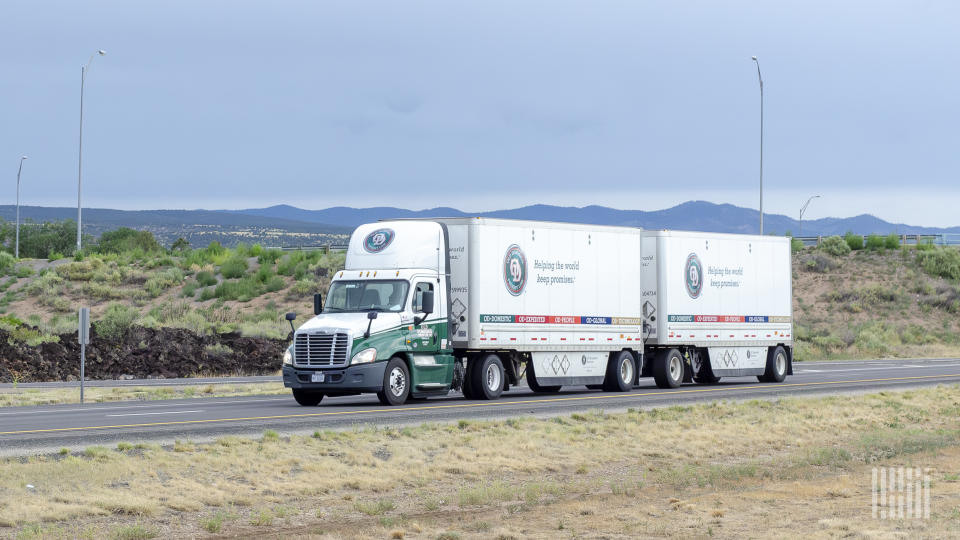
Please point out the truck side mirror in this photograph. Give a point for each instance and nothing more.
(426, 302)
(317, 303)
(370, 317)
(290, 318)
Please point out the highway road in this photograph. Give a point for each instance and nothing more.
(28, 430)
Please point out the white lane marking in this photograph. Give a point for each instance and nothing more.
(802, 371)
(109, 406)
(152, 413)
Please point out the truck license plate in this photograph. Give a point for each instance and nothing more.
(316, 377)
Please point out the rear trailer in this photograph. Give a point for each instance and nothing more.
(716, 305)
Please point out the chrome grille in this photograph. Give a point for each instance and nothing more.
(316, 350)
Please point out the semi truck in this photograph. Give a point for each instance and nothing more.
(424, 307)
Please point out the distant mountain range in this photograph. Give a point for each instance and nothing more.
(693, 215)
(289, 225)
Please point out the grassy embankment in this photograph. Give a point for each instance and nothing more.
(781, 468)
(875, 303)
(246, 289)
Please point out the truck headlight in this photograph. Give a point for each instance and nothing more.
(365, 356)
(288, 356)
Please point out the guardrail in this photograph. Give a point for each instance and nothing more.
(905, 239)
(326, 248)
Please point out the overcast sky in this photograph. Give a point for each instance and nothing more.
(485, 105)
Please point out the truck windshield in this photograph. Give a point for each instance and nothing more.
(363, 296)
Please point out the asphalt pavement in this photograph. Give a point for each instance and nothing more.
(43, 429)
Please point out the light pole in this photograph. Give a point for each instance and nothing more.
(83, 78)
(760, 78)
(802, 210)
(16, 249)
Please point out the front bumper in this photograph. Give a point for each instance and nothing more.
(352, 379)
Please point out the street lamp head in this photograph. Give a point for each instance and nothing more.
(101, 52)
(754, 58)
(23, 158)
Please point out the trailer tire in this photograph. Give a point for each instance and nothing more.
(621, 371)
(396, 383)
(487, 377)
(668, 368)
(307, 398)
(534, 385)
(776, 365)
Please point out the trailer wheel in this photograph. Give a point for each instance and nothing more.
(668, 368)
(534, 385)
(396, 383)
(307, 398)
(620, 372)
(776, 366)
(487, 377)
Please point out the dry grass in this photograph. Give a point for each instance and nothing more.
(722, 469)
(15, 397)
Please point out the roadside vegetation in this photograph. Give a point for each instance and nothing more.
(781, 466)
(854, 297)
(869, 298)
(128, 278)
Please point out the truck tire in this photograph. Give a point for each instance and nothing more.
(776, 365)
(668, 368)
(487, 377)
(307, 398)
(534, 385)
(396, 383)
(621, 371)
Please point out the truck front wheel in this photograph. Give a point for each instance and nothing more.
(620, 372)
(668, 368)
(396, 383)
(487, 377)
(307, 398)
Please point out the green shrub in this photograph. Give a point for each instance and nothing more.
(81, 271)
(834, 245)
(855, 241)
(205, 279)
(875, 242)
(162, 281)
(269, 256)
(796, 245)
(54, 256)
(126, 239)
(233, 267)
(7, 261)
(940, 262)
(190, 289)
(256, 250)
(116, 321)
(892, 241)
(24, 271)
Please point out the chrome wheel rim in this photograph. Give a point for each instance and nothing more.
(493, 378)
(676, 368)
(626, 370)
(781, 363)
(397, 382)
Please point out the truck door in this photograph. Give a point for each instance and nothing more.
(426, 343)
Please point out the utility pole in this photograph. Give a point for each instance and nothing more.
(760, 78)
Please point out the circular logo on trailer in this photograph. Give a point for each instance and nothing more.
(378, 240)
(693, 275)
(515, 270)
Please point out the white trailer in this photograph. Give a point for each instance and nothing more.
(424, 307)
(721, 304)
